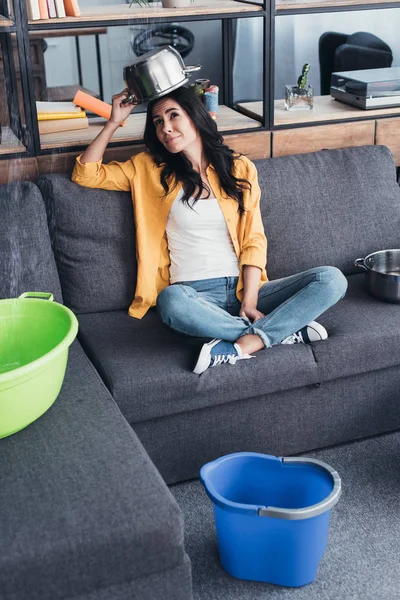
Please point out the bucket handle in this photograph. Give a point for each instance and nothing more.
(41, 295)
(309, 511)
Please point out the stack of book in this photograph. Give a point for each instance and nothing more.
(60, 116)
(49, 9)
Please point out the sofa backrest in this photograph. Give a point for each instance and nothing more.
(328, 208)
(26, 259)
(93, 237)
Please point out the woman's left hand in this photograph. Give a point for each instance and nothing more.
(251, 313)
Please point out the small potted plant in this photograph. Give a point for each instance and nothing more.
(301, 95)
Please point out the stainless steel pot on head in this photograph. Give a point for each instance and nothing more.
(155, 74)
(382, 274)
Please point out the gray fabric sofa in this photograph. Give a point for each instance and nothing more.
(329, 207)
(89, 515)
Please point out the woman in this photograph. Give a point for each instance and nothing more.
(201, 246)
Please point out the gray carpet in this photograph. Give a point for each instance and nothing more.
(363, 554)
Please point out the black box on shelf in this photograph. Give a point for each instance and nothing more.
(369, 88)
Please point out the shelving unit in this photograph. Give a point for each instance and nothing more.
(5, 23)
(266, 121)
(228, 120)
(122, 13)
(10, 144)
(330, 123)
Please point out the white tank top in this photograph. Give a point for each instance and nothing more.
(199, 243)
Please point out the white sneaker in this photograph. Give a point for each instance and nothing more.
(218, 352)
(313, 332)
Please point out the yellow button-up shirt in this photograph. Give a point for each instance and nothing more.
(141, 176)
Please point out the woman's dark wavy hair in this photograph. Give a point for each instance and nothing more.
(217, 153)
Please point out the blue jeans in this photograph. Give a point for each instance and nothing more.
(209, 307)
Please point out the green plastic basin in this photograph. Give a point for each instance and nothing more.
(35, 334)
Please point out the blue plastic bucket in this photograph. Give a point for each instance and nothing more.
(271, 515)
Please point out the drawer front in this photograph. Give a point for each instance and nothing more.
(322, 137)
(254, 144)
(18, 169)
(388, 134)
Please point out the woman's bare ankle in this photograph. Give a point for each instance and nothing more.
(250, 343)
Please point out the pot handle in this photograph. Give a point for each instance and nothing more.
(131, 99)
(40, 295)
(190, 69)
(359, 262)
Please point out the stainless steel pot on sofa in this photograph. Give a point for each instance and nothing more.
(156, 73)
(382, 274)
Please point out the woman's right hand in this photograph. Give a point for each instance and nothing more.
(120, 111)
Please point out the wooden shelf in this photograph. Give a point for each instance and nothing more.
(9, 142)
(73, 32)
(288, 5)
(325, 108)
(4, 22)
(120, 12)
(227, 120)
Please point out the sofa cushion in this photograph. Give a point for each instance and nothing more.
(364, 334)
(328, 208)
(147, 367)
(93, 240)
(27, 261)
(82, 506)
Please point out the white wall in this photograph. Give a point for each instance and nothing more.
(60, 61)
(248, 60)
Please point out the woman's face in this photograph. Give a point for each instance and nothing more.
(174, 128)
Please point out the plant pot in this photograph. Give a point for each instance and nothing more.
(176, 3)
(297, 98)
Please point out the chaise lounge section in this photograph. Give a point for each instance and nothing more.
(85, 513)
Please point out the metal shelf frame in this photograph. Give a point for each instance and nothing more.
(135, 21)
(227, 24)
(29, 133)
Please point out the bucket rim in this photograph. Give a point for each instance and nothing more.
(291, 514)
(31, 368)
